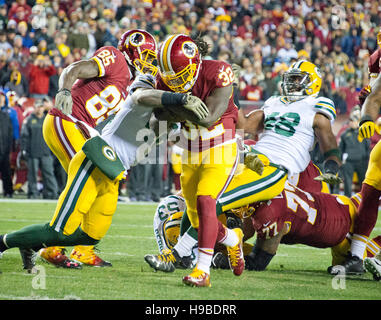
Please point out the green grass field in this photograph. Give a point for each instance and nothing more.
(296, 272)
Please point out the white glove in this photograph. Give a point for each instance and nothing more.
(63, 101)
(197, 106)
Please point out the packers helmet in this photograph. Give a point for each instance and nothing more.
(171, 229)
(302, 79)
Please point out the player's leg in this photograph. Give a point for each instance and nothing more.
(76, 199)
(64, 140)
(98, 220)
(368, 210)
(249, 187)
(215, 173)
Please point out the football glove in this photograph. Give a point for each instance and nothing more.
(63, 101)
(366, 130)
(329, 178)
(256, 162)
(197, 106)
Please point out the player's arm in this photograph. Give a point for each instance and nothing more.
(176, 103)
(328, 146)
(264, 250)
(84, 69)
(254, 122)
(370, 111)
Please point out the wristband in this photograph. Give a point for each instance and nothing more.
(331, 166)
(170, 99)
(364, 119)
(333, 152)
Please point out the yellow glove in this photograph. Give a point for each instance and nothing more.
(256, 162)
(366, 130)
(329, 178)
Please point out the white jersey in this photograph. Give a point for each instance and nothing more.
(126, 132)
(169, 206)
(288, 134)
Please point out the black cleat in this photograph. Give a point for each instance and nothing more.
(220, 261)
(28, 259)
(353, 265)
(168, 262)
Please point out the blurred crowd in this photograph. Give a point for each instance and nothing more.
(38, 39)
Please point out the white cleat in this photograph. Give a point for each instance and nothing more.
(373, 265)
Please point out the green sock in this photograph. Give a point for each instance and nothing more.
(42, 235)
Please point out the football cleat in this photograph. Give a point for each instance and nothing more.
(197, 278)
(167, 262)
(220, 261)
(235, 254)
(28, 257)
(373, 265)
(87, 256)
(56, 256)
(353, 265)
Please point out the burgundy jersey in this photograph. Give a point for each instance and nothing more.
(306, 180)
(374, 62)
(213, 74)
(95, 99)
(316, 219)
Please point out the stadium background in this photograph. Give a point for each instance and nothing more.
(262, 36)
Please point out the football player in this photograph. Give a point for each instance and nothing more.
(85, 208)
(289, 125)
(210, 152)
(371, 186)
(311, 218)
(90, 92)
(170, 224)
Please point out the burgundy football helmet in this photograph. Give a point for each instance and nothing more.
(140, 50)
(179, 61)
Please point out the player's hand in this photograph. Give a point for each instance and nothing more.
(63, 101)
(237, 72)
(366, 130)
(197, 106)
(329, 178)
(253, 162)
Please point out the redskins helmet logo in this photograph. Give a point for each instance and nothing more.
(109, 153)
(137, 39)
(189, 49)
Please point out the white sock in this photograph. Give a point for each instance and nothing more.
(358, 245)
(231, 239)
(184, 245)
(204, 261)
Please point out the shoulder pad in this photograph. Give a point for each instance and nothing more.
(325, 106)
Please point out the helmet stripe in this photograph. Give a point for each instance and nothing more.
(165, 54)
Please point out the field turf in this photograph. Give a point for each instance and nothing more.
(296, 273)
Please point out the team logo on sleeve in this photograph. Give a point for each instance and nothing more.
(109, 153)
(189, 49)
(137, 39)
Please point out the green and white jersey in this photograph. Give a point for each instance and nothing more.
(288, 134)
(167, 207)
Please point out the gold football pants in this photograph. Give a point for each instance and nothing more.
(89, 200)
(373, 174)
(206, 173)
(63, 138)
